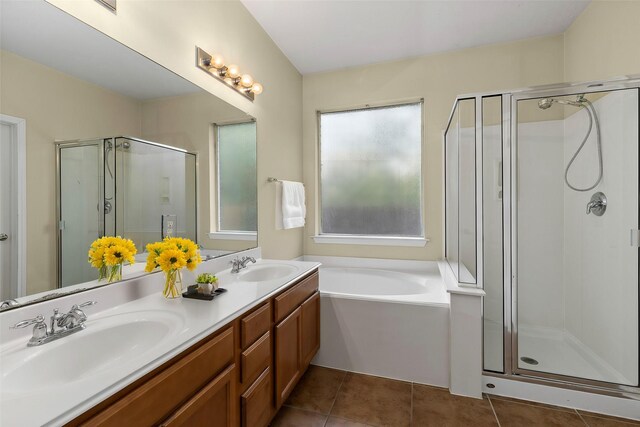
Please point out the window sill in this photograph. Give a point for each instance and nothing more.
(370, 240)
(233, 235)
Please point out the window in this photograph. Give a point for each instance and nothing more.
(236, 173)
(370, 172)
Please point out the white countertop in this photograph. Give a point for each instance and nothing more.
(56, 404)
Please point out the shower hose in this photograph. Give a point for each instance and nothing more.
(593, 117)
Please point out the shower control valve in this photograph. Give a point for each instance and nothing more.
(597, 205)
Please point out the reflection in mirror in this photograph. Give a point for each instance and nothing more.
(235, 162)
(121, 186)
(65, 81)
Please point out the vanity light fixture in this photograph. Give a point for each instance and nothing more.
(230, 74)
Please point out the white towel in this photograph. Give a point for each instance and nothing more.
(293, 207)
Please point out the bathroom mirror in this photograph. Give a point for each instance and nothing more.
(144, 151)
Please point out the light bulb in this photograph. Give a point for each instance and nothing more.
(217, 61)
(256, 88)
(233, 71)
(246, 80)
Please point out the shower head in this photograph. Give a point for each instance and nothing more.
(545, 103)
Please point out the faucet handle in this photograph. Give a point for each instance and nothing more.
(84, 304)
(24, 323)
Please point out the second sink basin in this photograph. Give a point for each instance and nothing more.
(266, 272)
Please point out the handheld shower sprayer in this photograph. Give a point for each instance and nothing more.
(580, 102)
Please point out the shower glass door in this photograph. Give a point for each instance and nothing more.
(81, 208)
(575, 199)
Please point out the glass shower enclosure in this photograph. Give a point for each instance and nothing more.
(554, 182)
(120, 186)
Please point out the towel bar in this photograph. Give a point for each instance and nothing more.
(272, 179)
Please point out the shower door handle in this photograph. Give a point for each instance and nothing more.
(635, 238)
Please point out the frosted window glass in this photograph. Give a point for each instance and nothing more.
(371, 171)
(237, 192)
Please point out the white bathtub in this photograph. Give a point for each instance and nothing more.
(385, 318)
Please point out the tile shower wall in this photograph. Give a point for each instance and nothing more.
(600, 266)
(540, 222)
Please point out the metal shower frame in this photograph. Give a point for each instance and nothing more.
(509, 101)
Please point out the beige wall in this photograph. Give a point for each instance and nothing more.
(438, 79)
(186, 121)
(597, 45)
(168, 31)
(41, 96)
(603, 42)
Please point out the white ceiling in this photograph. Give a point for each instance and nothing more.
(38, 31)
(326, 35)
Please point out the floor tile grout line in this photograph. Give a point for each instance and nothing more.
(411, 410)
(335, 398)
(582, 419)
(493, 410)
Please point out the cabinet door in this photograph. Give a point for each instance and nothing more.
(257, 401)
(212, 406)
(288, 357)
(310, 341)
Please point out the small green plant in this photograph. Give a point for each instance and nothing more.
(206, 278)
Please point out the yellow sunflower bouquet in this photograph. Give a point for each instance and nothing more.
(171, 255)
(108, 253)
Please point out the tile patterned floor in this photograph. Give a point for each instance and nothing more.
(332, 398)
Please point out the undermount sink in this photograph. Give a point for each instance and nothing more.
(106, 343)
(263, 273)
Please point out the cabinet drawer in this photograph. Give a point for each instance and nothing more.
(255, 325)
(291, 299)
(257, 402)
(213, 406)
(256, 358)
(153, 401)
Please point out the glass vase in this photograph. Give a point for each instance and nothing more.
(114, 273)
(172, 284)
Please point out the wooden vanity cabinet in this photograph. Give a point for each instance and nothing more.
(213, 406)
(297, 336)
(240, 375)
(310, 324)
(288, 358)
(256, 373)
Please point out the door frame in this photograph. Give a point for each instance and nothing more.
(510, 240)
(19, 207)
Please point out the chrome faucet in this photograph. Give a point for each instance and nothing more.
(8, 304)
(61, 325)
(239, 264)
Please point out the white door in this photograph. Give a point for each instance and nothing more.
(12, 199)
(6, 207)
